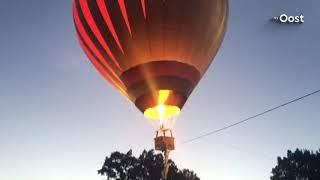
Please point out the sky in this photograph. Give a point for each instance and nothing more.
(59, 118)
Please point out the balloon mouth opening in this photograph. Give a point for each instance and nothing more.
(162, 111)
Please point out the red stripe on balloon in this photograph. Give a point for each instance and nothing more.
(124, 14)
(95, 62)
(104, 11)
(143, 3)
(98, 66)
(93, 26)
(89, 42)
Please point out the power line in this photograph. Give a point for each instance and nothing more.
(250, 118)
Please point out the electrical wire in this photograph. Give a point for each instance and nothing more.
(249, 118)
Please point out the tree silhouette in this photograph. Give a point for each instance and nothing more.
(298, 165)
(124, 166)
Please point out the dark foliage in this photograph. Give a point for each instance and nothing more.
(298, 165)
(148, 166)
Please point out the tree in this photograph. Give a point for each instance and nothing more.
(148, 166)
(298, 165)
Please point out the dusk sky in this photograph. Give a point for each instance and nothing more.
(59, 118)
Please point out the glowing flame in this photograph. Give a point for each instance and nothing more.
(162, 111)
(163, 96)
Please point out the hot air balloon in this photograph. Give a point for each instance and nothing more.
(154, 52)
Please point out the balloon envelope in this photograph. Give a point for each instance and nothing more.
(152, 51)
